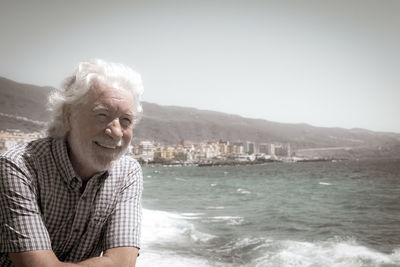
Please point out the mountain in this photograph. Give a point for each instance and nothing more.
(23, 106)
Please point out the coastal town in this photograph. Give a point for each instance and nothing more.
(220, 152)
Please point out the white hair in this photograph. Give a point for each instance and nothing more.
(74, 89)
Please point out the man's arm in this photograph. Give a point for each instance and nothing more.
(124, 224)
(114, 257)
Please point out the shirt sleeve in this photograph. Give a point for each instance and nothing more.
(123, 227)
(21, 225)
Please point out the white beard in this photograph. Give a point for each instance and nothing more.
(90, 153)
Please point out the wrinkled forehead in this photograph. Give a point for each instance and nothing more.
(107, 108)
(104, 95)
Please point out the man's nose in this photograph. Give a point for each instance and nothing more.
(114, 129)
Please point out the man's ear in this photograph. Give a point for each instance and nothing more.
(67, 117)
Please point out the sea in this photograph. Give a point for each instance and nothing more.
(343, 213)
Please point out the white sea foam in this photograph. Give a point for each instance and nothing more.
(396, 255)
(192, 214)
(243, 191)
(158, 258)
(162, 230)
(229, 220)
(166, 227)
(324, 254)
(323, 183)
(215, 207)
(213, 184)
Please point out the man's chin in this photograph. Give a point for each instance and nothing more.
(105, 162)
(103, 166)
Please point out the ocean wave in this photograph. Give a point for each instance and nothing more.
(162, 233)
(324, 254)
(324, 183)
(167, 259)
(243, 191)
(215, 207)
(166, 227)
(192, 215)
(229, 220)
(169, 239)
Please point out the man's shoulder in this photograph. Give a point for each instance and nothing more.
(28, 150)
(126, 164)
(127, 169)
(125, 159)
(21, 160)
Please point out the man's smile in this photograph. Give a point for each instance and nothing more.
(104, 145)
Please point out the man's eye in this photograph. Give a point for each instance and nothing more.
(126, 122)
(101, 116)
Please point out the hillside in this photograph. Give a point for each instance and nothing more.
(23, 106)
(170, 124)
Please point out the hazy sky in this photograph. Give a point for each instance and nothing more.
(326, 63)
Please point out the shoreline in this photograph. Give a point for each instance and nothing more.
(237, 163)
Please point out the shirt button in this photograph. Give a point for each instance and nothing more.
(83, 198)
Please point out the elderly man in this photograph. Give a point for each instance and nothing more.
(69, 197)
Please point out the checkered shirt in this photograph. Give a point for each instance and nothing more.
(42, 206)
